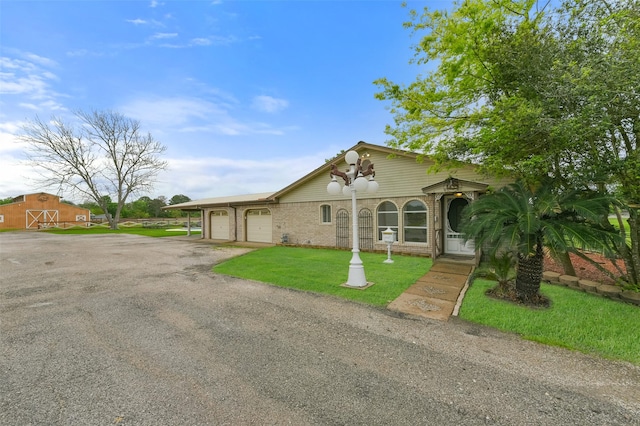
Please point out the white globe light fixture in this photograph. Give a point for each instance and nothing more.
(351, 157)
(372, 186)
(361, 183)
(334, 187)
(355, 180)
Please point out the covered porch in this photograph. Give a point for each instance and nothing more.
(446, 200)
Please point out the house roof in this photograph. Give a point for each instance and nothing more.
(263, 197)
(272, 197)
(338, 159)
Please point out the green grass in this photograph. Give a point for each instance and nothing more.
(575, 320)
(138, 230)
(323, 271)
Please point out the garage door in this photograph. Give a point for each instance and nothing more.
(259, 226)
(220, 225)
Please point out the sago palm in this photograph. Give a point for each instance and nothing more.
(517, 218)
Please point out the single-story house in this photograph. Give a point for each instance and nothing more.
(422, 208)
(41, 210)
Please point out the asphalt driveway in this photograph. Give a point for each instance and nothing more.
(130, 330)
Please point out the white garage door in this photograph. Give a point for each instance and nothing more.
(220, 225)
(259, 226)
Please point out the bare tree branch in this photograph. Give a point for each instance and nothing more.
(106, 156)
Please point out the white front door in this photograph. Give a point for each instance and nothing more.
(454, 240)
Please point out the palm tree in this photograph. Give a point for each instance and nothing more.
(524, 220)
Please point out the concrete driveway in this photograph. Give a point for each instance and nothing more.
(129, 330)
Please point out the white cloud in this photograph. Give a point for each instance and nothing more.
(137, 21)
(9, 141)
(23, 77)
(15, 175)
(194, 115)
(160, 36)
(29, 80)
(201, 42)
(170, 112)
(78, 52)
(269, 104)
(208, 177)
(40, 60)
(223, 40)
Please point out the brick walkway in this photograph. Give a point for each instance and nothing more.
(436, 294)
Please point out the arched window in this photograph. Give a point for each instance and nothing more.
(387, 218)
(415, 222)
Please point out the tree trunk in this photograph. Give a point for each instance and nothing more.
(529, 274)
(113, 223)
(633, 266)
(630, 253)
(567, 265)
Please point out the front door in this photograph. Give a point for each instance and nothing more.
(454, 240)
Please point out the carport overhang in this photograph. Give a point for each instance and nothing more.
(232, 202)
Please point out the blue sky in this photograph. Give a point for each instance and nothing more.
(248, 96)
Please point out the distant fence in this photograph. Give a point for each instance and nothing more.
(63, 225)
(128, 223)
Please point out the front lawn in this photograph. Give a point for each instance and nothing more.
(575, 320)
(323, 271)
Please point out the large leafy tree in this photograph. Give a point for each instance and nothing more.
(603, 81)
(531, 92)
(178, 199)
(527, 220)
(105, 156)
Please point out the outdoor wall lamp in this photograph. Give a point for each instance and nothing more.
(355, 180)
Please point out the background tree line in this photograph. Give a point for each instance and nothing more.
(142, 208)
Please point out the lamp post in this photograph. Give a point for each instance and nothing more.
(354, 181)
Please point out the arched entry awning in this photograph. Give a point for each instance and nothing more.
(449, 197)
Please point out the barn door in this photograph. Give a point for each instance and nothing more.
(41, 218)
